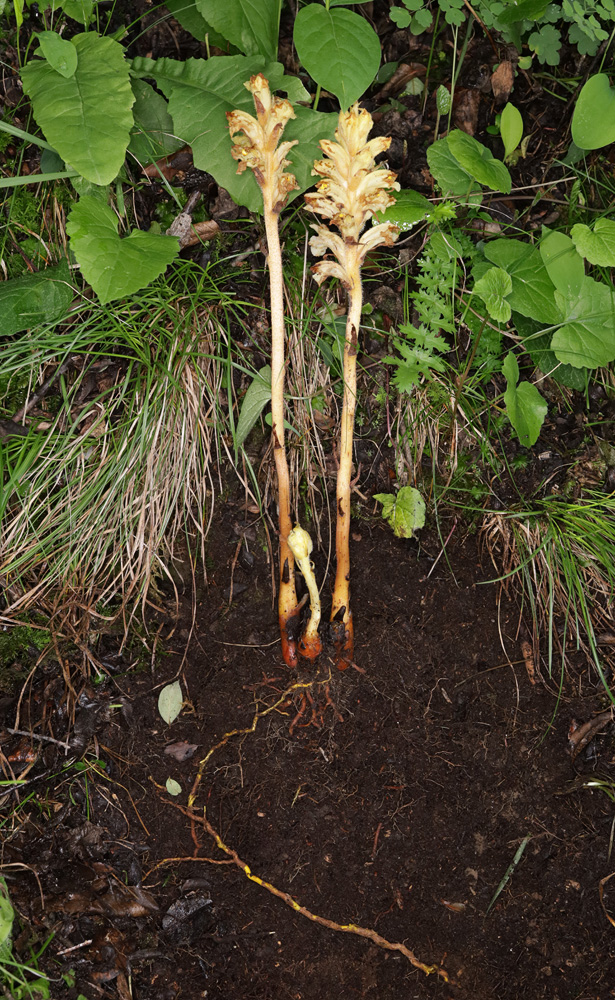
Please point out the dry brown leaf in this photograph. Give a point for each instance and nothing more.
(465, 110)
(502, 81)
(181, 750)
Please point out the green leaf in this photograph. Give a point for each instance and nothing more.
(202, 91)
(339, 49)
(449, 175)
(511, 128)
(152, 136)
(185, 11)
(538, 346)
(564, 265)
(60, 54)
(525, 407)
(546, 43)
(7, 915)
(526, 10)
(443, 100)
(170, 701)
(115, 267)
(34, 298)
(597, 245)
(251, 25)
(87, 117)
(478, 161)
(254, 402)
(593, 121)
(586, 338)
(410, 207)
(173, 787)
(404, 511)
(533, 292)
(493, 288)
(79, 10)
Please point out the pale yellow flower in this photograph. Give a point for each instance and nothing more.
(258, 147)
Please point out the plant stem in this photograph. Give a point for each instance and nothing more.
(287, 596)
(341, 615)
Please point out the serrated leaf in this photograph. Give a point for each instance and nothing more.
(479, 161)
(87, 118)
(533, 292)
(493, 288)
(251, 25)
(525, 407)
(152, 136)
(200, 93)
(586, 338)
(597, 245)
(173, 787)
(564, 265)
(254, 402)
(170, 701)
(410, 207)
(511, 128)
(404, 510)
(115, 267)
(449, 175)
(339, 49)
(34, 298)
(60, 54)
(593, 121)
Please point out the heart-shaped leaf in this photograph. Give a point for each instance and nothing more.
(564, 265)
(339, 49)
(586, 338)
(170, 701)
(493, 288)
(533, 291)
(115, 267)
(597, 245)
(593, 121)
(86, 117)
(404, 510)
(525, 406)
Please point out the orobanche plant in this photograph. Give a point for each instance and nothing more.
(351, 189)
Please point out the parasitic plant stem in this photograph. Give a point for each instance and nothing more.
(351, 189)
(258, 149)
(310, 645)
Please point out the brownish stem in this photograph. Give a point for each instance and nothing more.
(341, 615)
(288, 614)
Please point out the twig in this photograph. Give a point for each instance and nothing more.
(39, 736)
(364, 932)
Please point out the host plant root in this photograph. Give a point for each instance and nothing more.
(258, 149)
(351, 190)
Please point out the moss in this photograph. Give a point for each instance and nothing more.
(17, 644)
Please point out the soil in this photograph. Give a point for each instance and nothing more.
(401, 811)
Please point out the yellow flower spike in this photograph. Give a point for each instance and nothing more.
(351, 190)
(300, 544)
(258, 149)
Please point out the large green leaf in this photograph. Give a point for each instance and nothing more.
(533, 292)
(449, 175)
(538, 346)
(493, 288)
(586, 338)
(152, 136)
(60, 54)
(251, 25)
(186, 12)
(34, 298)
(564, 265)
(86, 117)
(113, 266)
(525, 407)
(339, 49)
(202, 91)
(479, 161)
(593, 121)
(597, 245)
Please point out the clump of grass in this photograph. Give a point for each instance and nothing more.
(560, 553)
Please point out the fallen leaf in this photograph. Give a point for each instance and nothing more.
(502, 81)
(465, 110)
(170, 701)
(181, 750)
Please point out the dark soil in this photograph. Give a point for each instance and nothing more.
(402, 816)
